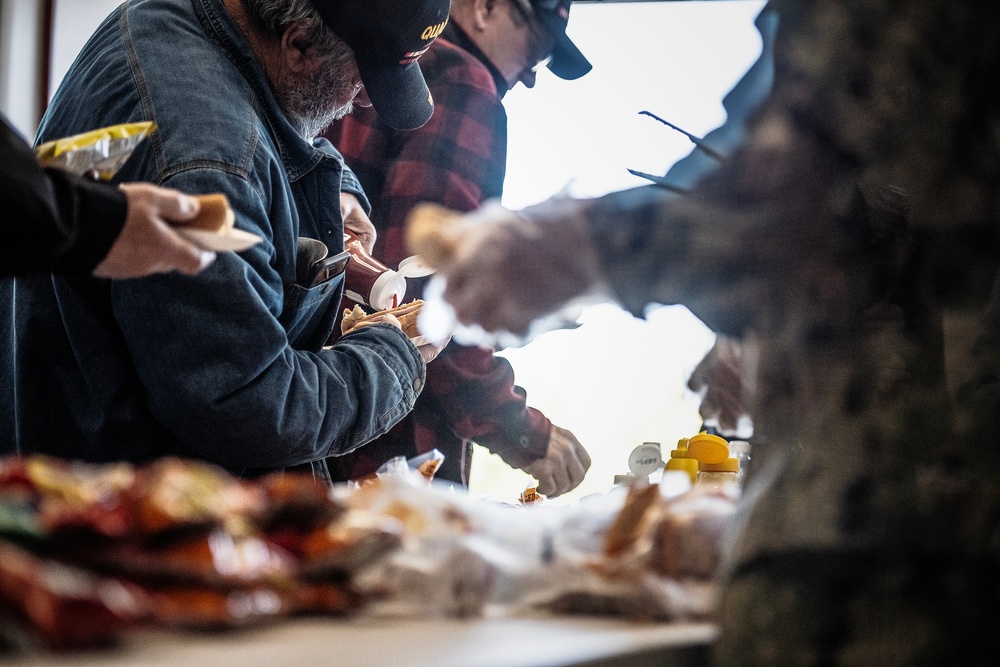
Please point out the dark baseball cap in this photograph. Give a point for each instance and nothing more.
(567, 62)
(387, 37)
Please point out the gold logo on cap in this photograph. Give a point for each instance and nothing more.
(432, 31)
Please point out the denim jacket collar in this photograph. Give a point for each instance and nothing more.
(297, 155)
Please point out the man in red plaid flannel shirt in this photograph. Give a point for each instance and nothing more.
(458, 159)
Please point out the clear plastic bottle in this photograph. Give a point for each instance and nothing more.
(740, 449)
(719, 477)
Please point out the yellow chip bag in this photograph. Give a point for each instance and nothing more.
(101, 151)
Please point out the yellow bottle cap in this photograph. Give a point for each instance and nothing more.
(680, 459)
(729, 465)
(708, 448)
(681, 452)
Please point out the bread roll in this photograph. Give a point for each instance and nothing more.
(634, 519)
(406, 314)
(431, 233)
(215, 214)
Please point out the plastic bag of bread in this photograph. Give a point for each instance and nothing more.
(423, 466)
(357, 538)
(690, 536)
(71, 498)
(603, 556)
(427, 464)
(215, 558)
(63, 607)
(459, 556)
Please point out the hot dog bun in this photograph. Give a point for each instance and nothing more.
(406, 314)
(215, 214)
(432, 233)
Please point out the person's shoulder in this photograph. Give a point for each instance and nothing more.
(449, 64)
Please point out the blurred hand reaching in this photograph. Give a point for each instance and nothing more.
(719, 378)
(564, 465)
(503, 270)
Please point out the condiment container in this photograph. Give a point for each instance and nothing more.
(369, 281)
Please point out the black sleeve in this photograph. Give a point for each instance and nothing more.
(52, 220)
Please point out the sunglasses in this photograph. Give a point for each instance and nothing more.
(542, 38)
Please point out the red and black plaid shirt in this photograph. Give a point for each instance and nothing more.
(457, 159)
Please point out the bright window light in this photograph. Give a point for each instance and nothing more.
(618, 381)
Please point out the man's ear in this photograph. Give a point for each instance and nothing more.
(484, 11)
(296, 48)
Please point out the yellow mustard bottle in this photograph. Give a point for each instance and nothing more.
(717, 470)
(681, 459)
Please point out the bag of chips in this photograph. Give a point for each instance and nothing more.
(99, 153)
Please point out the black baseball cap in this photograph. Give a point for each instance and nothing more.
(567, 62)
(387, 37)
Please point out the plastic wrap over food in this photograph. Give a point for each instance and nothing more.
(99, 152)
(459, 556)
(608, 559)
(463, 557)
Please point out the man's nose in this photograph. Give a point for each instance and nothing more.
(528, 78)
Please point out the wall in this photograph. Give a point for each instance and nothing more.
(73, 22)
(21, 59)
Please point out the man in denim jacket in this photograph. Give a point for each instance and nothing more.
(228, 366)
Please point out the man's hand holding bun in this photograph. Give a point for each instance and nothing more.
(404, 317)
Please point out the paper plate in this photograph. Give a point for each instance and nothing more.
(235, 241)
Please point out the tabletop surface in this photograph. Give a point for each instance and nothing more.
(365, 641)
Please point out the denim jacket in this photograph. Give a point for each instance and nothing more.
(228, 365)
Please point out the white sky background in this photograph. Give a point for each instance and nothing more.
(618, 381)
(675, 59)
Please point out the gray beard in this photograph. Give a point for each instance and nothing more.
(310, 102)
(312, 122)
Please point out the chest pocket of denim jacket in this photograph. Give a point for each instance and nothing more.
(310, 313)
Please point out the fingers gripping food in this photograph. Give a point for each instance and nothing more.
(214, 226)
(406, 314)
